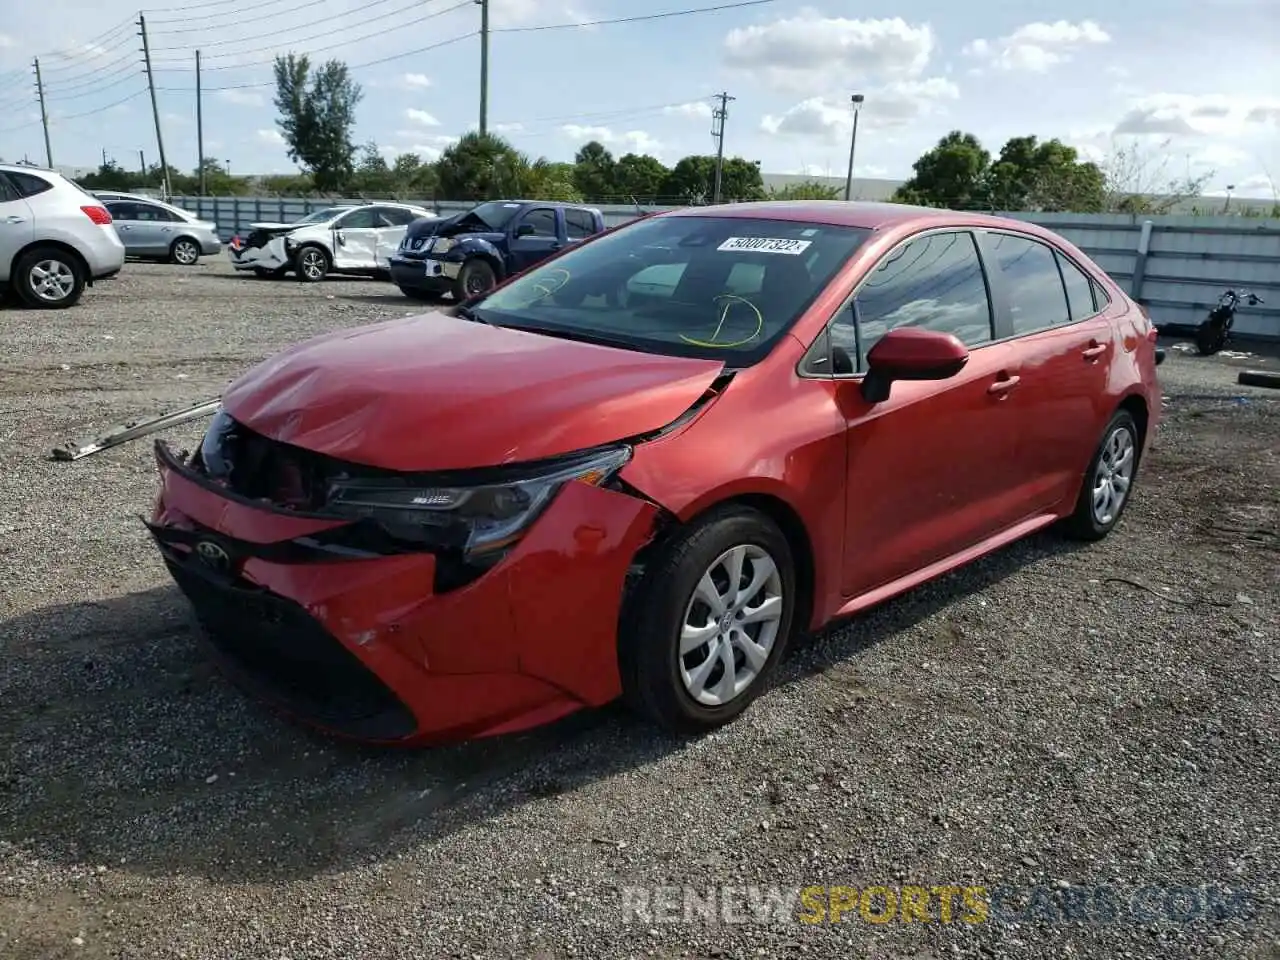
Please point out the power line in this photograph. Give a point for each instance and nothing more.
(579, 24)
(353, 66)
(328, 33)
(204, 44)
(222, 16)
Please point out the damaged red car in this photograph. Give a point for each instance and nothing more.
(640, 467)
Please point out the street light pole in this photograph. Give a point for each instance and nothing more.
(853, 144)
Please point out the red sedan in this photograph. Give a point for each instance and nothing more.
(640, 467)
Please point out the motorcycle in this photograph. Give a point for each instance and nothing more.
(1213, 331)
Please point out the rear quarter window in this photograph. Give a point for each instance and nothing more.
(28, 184)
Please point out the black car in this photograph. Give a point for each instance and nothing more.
(468, 253)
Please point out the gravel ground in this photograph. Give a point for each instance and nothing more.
(1052, 717)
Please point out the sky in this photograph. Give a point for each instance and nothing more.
(1184, 87)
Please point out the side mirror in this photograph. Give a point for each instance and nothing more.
(525, 230)
(910, 353)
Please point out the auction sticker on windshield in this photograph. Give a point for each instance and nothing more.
(765, 245)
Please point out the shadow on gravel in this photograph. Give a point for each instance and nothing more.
(121, 746)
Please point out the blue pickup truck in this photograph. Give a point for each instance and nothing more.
(468, 253)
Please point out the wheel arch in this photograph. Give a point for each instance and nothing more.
(81, 262)
(1135, 404)
(772, 502)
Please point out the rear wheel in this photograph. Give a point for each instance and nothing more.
(476, 277)
(184, 252)
(710, 622)
(1108, 482)
(48, 278)
(1210, 338)
(311, 263)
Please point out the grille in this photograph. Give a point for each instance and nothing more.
(284, 654)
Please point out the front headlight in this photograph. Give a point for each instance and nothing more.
(480, 520)
(443, 244)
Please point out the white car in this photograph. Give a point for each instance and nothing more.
(349, 239)
(55, 238)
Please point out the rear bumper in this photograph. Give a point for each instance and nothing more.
(366, 648)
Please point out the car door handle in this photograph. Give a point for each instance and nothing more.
(1094, 350)
(15, 219)
(1003, 385)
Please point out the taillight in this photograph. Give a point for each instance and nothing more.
(98, 215)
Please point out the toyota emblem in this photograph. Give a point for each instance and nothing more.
(213, 556)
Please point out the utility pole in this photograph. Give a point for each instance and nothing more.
(104, 156)
(142, 164)
(718, 117)
(199, 126)
(44, 114)
(853, 143)
(155, 108)
(484, 66)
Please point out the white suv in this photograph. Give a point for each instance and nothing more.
(349, 238)
(54, 237)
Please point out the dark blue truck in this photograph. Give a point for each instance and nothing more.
(468, 253)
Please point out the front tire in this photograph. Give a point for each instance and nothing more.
(1108, 483)
(184, 252)
(709, 623)
(311, 263)
(47, 278)
(1210, 339)
(477, 276)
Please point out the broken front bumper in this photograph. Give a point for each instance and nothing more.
(270, 257)
(364, 646)
(424, 274)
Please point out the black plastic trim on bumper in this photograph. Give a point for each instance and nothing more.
(1159, 356)
(279, 652)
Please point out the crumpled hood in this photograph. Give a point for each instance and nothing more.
(435, 392)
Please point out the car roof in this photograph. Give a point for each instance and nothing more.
(28, 168)
(851, 213)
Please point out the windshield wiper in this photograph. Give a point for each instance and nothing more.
(467, 313)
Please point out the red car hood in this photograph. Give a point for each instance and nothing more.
(434, 392)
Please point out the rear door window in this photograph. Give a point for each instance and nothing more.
(122, 210)
(358, 219)
(1033, 290)
(1079, 290)
(579, 224)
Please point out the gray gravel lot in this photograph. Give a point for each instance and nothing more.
(1053, 716)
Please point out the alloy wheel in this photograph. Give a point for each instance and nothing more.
(313, 264)
(1114, 475)
(52, 280)
(730, 625)
(185, 252)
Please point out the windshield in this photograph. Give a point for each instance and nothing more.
(495, 215)
(717, 287)
(319, 216)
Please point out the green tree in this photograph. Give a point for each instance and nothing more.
(952, 174)
(317, 114)
(640, 176)
(1029, 175)
(471, 168)
(692, 179)
(808, 190)
(594, 172)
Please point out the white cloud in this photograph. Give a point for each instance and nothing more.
(7, 41)
(1035, 47)
(418, 80)
(808, 52)
(505, 128)
(1259, 186)
(421, 117)
(1195, 115)
(893, 105)
(510, 13)
(243, 98)
(177, 119)
(429, 147)
(630, 141)
(271, 136)
(698, 109)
